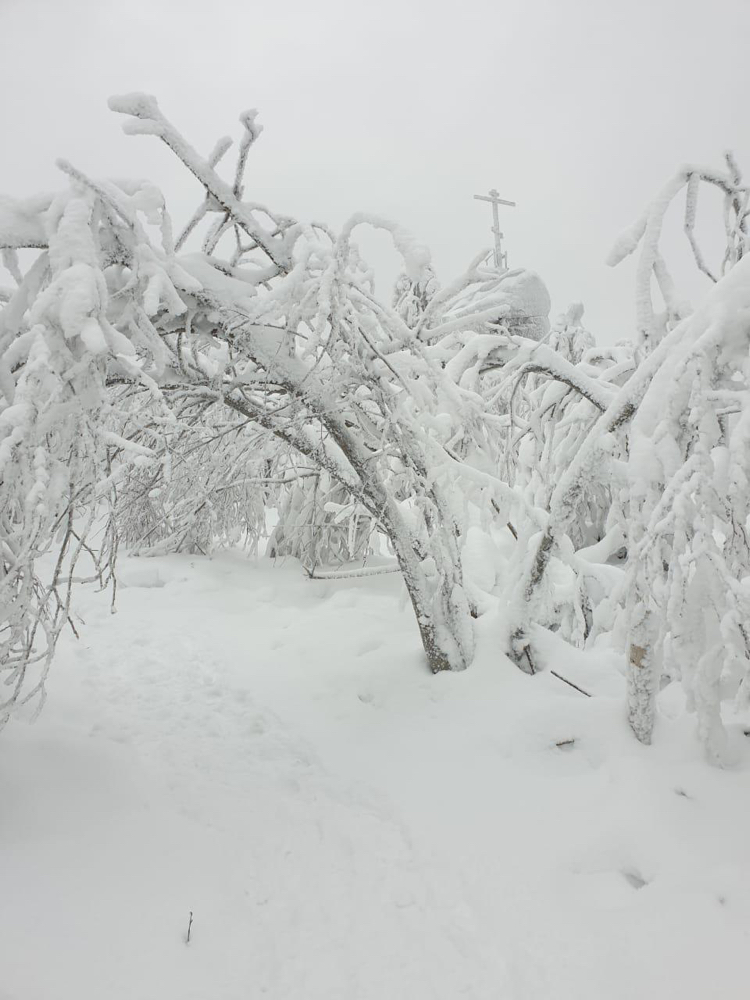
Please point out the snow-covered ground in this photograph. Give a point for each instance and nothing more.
(270, 754)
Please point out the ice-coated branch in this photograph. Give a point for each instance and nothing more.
(149, 120)
(524, 359)
(22, 222)
(646, 233)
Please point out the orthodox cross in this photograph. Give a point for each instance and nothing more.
(501, 258)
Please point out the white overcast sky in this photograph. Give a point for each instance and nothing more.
(578, 110)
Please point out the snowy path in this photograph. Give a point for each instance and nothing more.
(269, 753)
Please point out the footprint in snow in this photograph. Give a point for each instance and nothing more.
(634, 878)
(368, 646)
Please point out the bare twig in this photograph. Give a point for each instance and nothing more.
(345, 574)
(569, 683)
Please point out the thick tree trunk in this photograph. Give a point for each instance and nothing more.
(444, 646)
(435, 587)
(643, 679)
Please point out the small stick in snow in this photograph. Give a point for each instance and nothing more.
(564, 743)
(532, 668)
(351, 574)
(190, 924)
(569, 683)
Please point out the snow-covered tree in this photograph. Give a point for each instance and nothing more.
(670, 444)
(273, 320)
(57, 445)
(173, 387)
(688, 574)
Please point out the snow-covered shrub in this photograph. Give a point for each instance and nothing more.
(321, 524)
(209, 490)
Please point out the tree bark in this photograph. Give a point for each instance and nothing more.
(642, 679)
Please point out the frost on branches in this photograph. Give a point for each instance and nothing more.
(671, 446)
(165, 389)
(151, 341)
(688, 588)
